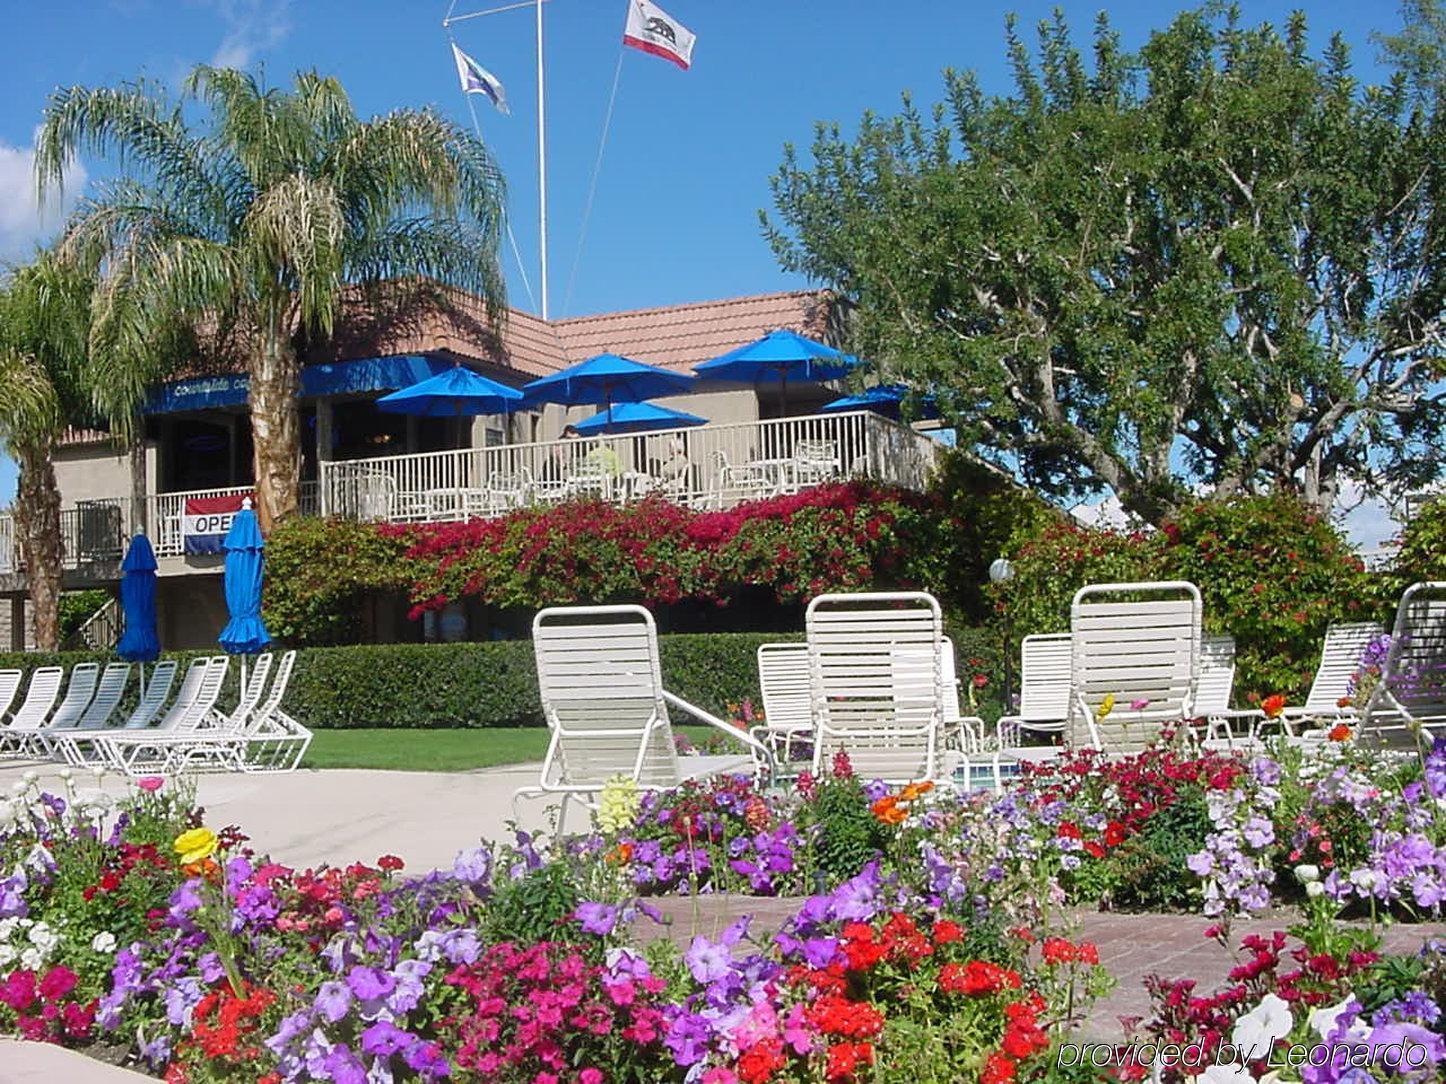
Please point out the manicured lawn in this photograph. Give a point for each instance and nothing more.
(433, 750)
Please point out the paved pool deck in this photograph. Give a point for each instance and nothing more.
(312, 817)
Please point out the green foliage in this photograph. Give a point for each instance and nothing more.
(1422, 555)
(1271, 571)
(1221, 245)
(76, 607)
(532, 907)
(1148, 871)
(846, 834)
(319, 574)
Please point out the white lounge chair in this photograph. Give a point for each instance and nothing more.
(9, 685)
(1340, 658)
(1407, 708)
(40, 697)
(136, 751)
(257, 736)
(77, 746)
(787, 702)
(97, 714)
(961, 732)
(602, 694)
(876, 676)
(1134, 643)
(1044, 674)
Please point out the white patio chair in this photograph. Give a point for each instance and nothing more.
(1340, 658)
(9, 685)
(743, 482)
(602, 694)
(815, 461)
(1044, 673)
(138, 751)
(964, 733)
(1407, 708)
(97, 715)
(1212, 699)
(787, 701)
(30, 716)
(876, 677)
(1135, 642)
(79, 692)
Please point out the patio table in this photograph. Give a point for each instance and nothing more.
(779, 472)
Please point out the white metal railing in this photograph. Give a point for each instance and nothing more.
(102, 629)
(164, 513)
(711, 466)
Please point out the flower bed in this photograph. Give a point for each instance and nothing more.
(928, 942)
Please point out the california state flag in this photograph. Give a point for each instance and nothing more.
(653, 30)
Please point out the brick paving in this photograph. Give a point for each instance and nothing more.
(1131, 946)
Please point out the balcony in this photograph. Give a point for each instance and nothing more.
(711, 467)
(708, 467)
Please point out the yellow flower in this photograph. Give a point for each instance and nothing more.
(196, 845)
(1107, 705)
(617, 806)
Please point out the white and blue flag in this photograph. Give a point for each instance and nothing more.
(478, 80)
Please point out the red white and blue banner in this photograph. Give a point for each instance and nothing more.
(205, 521)
(653, 30)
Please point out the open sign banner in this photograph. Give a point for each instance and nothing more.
(205, 521)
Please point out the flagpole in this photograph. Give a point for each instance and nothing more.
(541, 161)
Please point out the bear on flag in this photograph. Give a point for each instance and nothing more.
(653, 30)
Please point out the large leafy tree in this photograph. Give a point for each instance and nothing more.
(262, 220)
(1216, 265)
(44, 380)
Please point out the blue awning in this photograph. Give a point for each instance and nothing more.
(336, 378)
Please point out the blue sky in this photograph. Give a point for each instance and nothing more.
(689, 155)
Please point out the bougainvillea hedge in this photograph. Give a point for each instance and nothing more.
(848, 536)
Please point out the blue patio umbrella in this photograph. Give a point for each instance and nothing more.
(636, 418)
(245, 633)
(605, 380)
(885, 399)
(456, 392)
(139, 642)
(777, 358)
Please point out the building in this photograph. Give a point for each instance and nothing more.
(362, 463)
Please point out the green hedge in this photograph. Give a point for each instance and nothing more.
(427, 686)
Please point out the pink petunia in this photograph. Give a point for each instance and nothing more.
(151, 783)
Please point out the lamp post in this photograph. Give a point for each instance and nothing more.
(1001, 571)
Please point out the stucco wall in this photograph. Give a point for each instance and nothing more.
(90, 472)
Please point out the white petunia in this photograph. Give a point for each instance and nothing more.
(7, 813)
(7, 955)
(1305, 874)
(103, 942)
(1257, 1032)
(32, 959)
(1323, 1021)
(1315, 890)
(1224, 1074)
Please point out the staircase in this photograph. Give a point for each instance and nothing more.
(101, 629)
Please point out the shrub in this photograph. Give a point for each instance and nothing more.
(1422, 555)
(1272, 572)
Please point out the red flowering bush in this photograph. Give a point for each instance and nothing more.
(546, 1012)
(45, 1007)
(835, 537)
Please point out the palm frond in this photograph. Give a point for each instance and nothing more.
(295, 236)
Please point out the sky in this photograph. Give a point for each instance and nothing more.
(687, 160)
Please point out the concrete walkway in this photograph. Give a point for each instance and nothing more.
(309, 818)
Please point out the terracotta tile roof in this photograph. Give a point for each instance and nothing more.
(681, 336)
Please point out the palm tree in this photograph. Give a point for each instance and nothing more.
(263, 224)
(44, 377)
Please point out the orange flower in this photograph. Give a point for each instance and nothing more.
(1273, 706)
(621, 854)
(887, 810)
(1344, 702)
(914, 791)
(1339, 732)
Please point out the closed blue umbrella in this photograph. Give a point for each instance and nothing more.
(458, 391)
(139, 642)
(636, 418)
(605, 380)
(777, 358)
(245, 633)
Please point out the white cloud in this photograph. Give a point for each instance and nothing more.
(252, 27)
(22, 221)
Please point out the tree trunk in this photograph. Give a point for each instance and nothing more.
(37, 517)
(138, 522)
(275, 431)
